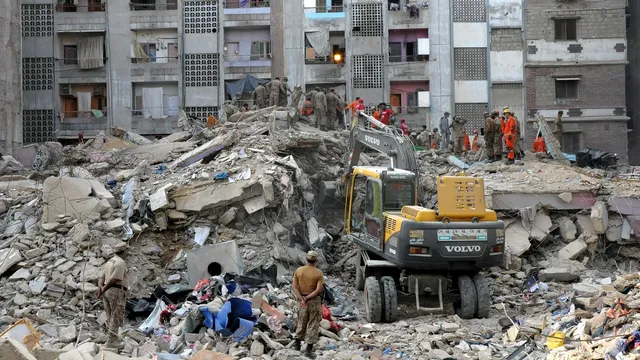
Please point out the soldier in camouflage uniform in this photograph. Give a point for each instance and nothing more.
(275, 88)
(489, 135)
(320, 109)
(258, 95)
(282, 98)
(307, 286)
(457, 132)
(333, 102)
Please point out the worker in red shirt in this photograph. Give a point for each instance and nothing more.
(307, 107)
(360, 106)
(474, 144)
(539, 145)
(352, 107)
(385, 117)
(404, 127)
(467, 143)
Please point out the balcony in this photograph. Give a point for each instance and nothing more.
(143, 121)
(153, 5)
(69, 73)
(77, 18)
(401, 20)
(319, 72)
(236, 66)
(155, 69)
(407, 70)
(247, 13)
(332, 17)
(73, 122)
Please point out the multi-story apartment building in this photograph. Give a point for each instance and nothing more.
(10, 78)
(90, 64)
(575, 61)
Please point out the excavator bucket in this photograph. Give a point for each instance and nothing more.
(329, 195)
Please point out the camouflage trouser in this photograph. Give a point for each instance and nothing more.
(516, 146)
(558, 136)
(114, 301)
(331, 119)
(497, 144)
(309, 321)
(282, 99)
(489, 139)
(458, 145)
(273, 99)
(260, 103)
(321, 118)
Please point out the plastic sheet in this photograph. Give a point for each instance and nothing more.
(153, 320)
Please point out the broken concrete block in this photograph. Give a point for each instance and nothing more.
(10, 257)
(587, 290)
(228, 216)
(20, 299)
(257, 348)
(38, 285)
(207, 149)
(279, 229)
(13, 350)
(517, 239)
(614, 228)
(50, 226)
(101, 192)
(213, 260)
(20, 274)
(13, 228)
(70, 196)
(317, 236)
(626, 229)
(567, 228)
(176, 137)
(159, 199)
(573, 249)
(115, 224)
(584, 225)
(31, 225)
(600, 217)
(255, 203)
(79, 233)
(566, 197)
(541, 226)
(176, 215)
(67, 334)
(212, 195)
(561, 274)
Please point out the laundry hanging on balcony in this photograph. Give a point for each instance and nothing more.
(319, 40)
(137, 52)
(84, 103)
(90, 52)
(152, 104)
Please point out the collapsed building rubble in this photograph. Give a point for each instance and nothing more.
(208, 209)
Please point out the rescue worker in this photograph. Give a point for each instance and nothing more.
(498, 135)
(489, 135)
(436, 139)
(352, 106)
(510, 133)
(385, 115)
(112, 288)
(307, 107)
(360, 106)
(275, 88)
(333, 102)
(283, 96)
(424, 138)
(466, 142)
(516, 147)
(307, 286)
(539, 145)
(457, 130)
(236, 100)
(211, 121)
(557, 132)
(258, 96)
(445, 130)
(404, 127)
(474, 143)
(320, 109)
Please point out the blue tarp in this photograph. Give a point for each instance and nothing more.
(234, 319)
(246, 84)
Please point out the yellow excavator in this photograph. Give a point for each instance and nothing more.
(406, 248)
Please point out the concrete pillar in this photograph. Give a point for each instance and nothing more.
(118, 38)
(441, 75)
(278, 37)
(293, 41)
(10, 82)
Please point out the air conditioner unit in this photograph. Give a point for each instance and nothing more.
(98, 91)
(67, 90)
(412, 110)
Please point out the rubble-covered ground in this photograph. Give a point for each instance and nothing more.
(241, 199)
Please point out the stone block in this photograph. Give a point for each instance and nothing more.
(212, 260)
(573, 249)
(600, 217)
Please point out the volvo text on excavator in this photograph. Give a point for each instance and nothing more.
(409, 249)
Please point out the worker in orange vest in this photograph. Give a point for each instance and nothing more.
(353, 106)
(539, 145)
(474, 144)
(467, 143)
(510, 131)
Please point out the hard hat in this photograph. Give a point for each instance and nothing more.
(475, 132)
(506, 110)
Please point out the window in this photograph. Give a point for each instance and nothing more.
(570, 143)
(150, 50)
(412, 99)
(70, 54)
(96, 5)
(412, 51)
(566, 29)
(566, 89)
(395, 52)
(172, 4)
(398, 194)
(373, 199)
(260, 50)
(143, 5)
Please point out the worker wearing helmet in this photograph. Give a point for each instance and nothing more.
(510, 133)
(474, 144)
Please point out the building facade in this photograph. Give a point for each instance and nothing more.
(92, 64)
(575, 61)
(10, 78)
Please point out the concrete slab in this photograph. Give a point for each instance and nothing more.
(101, 192)
(206, 149)
(625, 205)
(511, 201)
(541, 226)
(10, 257)
(567, 228)
(212, 260)
(175, 137)
(13, 350)
(600, 217)
(211, 194)
(585, 225)
(614, 228)
(70, 196)
(573, 249)
(517, 239)
(159, 199)
(154, 153)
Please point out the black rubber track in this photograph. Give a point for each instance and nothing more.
(484, 296)
(372, 300)
(468, 298)
(390, 305)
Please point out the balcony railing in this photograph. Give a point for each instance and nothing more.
(64, 7)
(319, 60)
(90, 115)
(407, 58)
(137, 6)
(155, 60)
(323, 9)
(243, 4)
(153, 112)
(244, 58)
